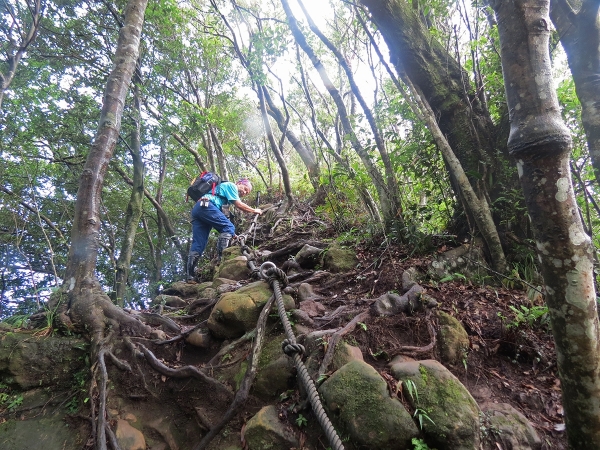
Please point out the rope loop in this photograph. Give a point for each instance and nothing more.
(265, 269)
(292, 349)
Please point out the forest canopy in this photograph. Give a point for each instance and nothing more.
(345, 113)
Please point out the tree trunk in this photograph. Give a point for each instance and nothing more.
(209, 153)
(393, 190)
(166, 222)
(580, 36)
(477, 143)
(305, 152)
(219, 152)
(541, 144)
(372, 170)
(86, 303)
(276, 151)
(478, 208)
(134, 207)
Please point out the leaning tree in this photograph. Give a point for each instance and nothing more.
(540, 143)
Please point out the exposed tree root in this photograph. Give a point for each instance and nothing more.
(350, 326)
(229, 348)
(293, 248)
(414, 351)
(242, 394)
(182, 372)
(180, 336)
(157, 319)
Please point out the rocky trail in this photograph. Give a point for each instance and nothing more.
(406, 351)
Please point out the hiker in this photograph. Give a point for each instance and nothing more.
(207, 214)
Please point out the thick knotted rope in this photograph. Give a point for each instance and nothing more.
(269, 272)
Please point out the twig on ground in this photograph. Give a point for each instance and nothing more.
(336, 338)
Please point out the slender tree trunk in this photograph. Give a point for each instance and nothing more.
(134, 207)
(364, 193)
(276, 151)
(209, 153)
(81, 302)
(393, 191)
(372, 170)
(541, 144)
(305, 152)
(84, 241)
(580, 36)
(166, 222)
(478, 208)
(15, 52)
(219, 152)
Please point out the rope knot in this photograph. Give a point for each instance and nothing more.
(291, 349)
(276, 273)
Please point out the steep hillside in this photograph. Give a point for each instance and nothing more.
(169, 392)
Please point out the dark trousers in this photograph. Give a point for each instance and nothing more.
(205, 218)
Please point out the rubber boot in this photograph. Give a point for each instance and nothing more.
(222, 244)
(193, 258)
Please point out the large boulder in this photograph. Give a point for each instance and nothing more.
(29, 361)
(452, 339)
(448, 414)
(237, 312)
(40, 424)
(338, 259)
(265, 431)
(128, 437)
(276, 371)
(504, 425)
(308, 257)
(358, 400)
(234, 269)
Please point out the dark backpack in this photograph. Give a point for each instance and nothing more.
(203, 184)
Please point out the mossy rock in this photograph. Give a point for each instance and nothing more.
(233, 269)
(230, 253)
(453, 341)
(237, 312)
(276, 370)
(169, 300)
(337, 259)
(344, 354)
(449, 414)
(44, 431)
(265, 431)
(32, 361)
(358, 400)
(183, 289)
(505, 425)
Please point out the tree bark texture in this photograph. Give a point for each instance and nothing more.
(134, 207)
(541, 144)
(477, 143)
(274, 147)
(86, 303)
(580, 36)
